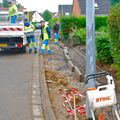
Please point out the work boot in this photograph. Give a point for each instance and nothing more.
(30, 50)
(49, 52)
(42, 51)
(35, 51)
(56, 43)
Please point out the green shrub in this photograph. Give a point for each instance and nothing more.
(114, 33)
(103, 29)
(52, 22)
(78, 36)
(100, 21)
(104, 48)
(68, 24)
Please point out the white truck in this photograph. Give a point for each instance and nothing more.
(12, 35)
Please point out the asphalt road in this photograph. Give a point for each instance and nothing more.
(15, 86)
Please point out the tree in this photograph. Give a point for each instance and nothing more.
(47, 15)
(5, 3)
(1, 5)
(113, 2)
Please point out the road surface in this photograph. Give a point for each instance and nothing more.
(15, 86)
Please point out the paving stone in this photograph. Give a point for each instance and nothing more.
(36, 100)
(37, 111)
(36, 91)
(35, 82)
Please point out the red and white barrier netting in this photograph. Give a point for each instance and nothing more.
(70, 96)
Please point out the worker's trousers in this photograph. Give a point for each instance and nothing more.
(31, 41)
(56, 37)
(13, 19)
(45, 45)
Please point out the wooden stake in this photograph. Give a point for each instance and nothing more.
(74, 107)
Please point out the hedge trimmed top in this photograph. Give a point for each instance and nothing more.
(70, 23)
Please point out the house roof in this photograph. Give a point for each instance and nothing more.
(63, 9)
(103, 6)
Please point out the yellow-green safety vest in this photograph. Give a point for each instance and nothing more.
(13, 10)
(45, 34)
(29, 29)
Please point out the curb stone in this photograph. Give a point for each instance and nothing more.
(36, 93)
(71, 66)
(77, 73)
(47, 107)
(66, 50)
(67, 58)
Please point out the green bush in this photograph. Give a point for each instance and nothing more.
(78, 36)
(114, 33)
(68, 24)
(52, 22)
(100, 21)
(103, 29)
(104, 48)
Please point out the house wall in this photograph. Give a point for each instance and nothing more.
(76, 9)
(79, 7)
(63, 9)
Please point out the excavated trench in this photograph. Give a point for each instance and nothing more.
(59, 78)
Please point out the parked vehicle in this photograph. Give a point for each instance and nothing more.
(12, 35)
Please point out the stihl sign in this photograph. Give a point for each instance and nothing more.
(103, 99)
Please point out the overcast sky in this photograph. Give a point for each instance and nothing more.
(41, 5)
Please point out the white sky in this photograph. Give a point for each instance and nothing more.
(41, 5)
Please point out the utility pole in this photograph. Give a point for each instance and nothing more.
(90, 49)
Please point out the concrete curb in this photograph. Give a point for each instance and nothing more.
(77, 73)
(36, 94)
(66, 50)
(67, 58)
(71, 66)
(47, 108)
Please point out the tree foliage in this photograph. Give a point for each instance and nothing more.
(5, 3)
(114, 33)
(47, 15)
(113, 2)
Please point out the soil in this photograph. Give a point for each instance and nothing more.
(59, 79)
(77, 54)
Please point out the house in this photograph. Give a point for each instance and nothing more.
(55, 15)
(36, 17)
(79, 7)
(64, 10)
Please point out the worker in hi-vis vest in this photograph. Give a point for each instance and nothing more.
(45, 37)
(29, 32)
(56, 28)
(13, 12)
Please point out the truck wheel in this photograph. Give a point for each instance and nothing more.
(22, 50)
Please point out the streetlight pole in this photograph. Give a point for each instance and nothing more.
(90, 49)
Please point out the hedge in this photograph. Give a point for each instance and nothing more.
(52, 22)
(78, 37)
(114, 33)
(103, 48)
(70, 23)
